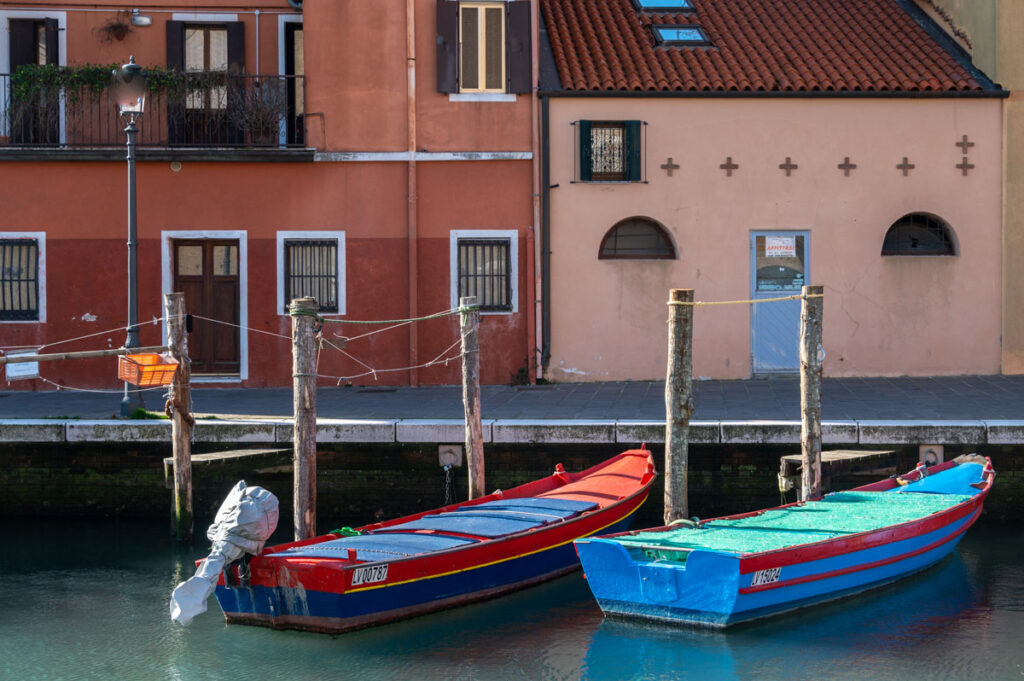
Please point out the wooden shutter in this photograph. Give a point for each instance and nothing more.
(586, 169)
(447, 46)
(23, 42)
(518, 48)
(175, 100)
(52, 44)
(634, 150)
(236, 46)
(176, 45)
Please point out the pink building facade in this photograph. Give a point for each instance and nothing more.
(692, 164)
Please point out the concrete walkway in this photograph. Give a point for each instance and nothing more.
(953, 410)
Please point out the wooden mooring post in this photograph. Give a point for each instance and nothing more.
(678, 402)
(811, 307)
(304, 321)
(177, 409)
(469, 318)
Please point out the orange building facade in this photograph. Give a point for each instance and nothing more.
(377, 156)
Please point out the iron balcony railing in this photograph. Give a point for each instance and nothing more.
(201, 109)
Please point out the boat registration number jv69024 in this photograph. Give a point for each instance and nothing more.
(369, 575)
(765, 576)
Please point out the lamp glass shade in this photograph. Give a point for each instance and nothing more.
(130, 88)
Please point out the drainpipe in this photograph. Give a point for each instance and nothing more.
(533, 321)
(545, 245)
(411, 225)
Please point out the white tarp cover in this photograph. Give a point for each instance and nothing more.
(243, 524)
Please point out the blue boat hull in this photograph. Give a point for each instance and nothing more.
(707, 590)
(718, 588)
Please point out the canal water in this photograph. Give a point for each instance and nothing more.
(88, 601)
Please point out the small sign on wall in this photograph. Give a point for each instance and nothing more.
(779, 247)
(21, 371)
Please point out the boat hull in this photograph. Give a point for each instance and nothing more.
(295, 607)
(438, 559)
(718, 589)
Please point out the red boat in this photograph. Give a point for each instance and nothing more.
(437, 559)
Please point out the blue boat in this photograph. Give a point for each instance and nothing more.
(738, 568)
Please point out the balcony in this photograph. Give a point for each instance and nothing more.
(50, 107)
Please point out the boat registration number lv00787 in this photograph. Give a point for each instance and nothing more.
(369, 575)
(765, 576)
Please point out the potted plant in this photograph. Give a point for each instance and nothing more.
(258, 107)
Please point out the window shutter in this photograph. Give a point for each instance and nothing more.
(175, 102)
(236, 46)
(52, 45)
(447, 46)
(634, 151)
(520, 75)
(176, 45)
(586, 171)
(23, 42)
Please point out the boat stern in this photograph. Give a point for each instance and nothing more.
(695, 587)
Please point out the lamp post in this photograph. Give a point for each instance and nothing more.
(130, 94)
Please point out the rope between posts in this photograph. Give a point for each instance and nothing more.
(699, 303)
(436, 315)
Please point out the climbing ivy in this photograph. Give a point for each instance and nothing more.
(85, 80)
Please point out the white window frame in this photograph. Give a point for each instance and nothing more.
(481, 65)
(167, 237)
(513, 254)
(283, 236)
(40, 239)
(282, 22)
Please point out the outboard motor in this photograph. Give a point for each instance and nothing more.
(243, 524)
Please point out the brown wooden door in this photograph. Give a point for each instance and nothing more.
(206, 271)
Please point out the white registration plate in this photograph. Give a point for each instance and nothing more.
(768, 576)
(369, 575)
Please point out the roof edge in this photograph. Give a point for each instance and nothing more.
(996, 93)
(947, 43)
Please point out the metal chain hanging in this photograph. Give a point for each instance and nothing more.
(449, 488)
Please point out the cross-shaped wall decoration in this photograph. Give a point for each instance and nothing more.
(728, 166)
(668, 166)
(964, 165)
(965, 145)
(846, 166)
(788, 166)
(906, 166)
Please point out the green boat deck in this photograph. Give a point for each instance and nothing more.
(837, 514)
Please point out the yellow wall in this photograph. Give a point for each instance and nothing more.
(994, 28)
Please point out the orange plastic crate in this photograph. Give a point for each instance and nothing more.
(147, 369)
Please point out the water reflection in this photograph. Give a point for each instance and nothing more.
(84, 601)
(900, 621)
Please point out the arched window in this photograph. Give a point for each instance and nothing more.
(637, 238)
(919, 234)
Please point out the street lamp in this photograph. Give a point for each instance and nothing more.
(130, 94)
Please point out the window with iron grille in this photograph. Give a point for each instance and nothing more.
(485, 271)
(637, 238)
(19, 279)
(610, 151)
(919, 234)
(311, 271)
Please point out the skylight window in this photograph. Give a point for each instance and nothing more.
(680, 35)
(662, 5)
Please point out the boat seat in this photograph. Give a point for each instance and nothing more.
(378, 547)
(956, 480)
(560, 508)
(479, 524)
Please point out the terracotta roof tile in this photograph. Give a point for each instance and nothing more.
(756, 45)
